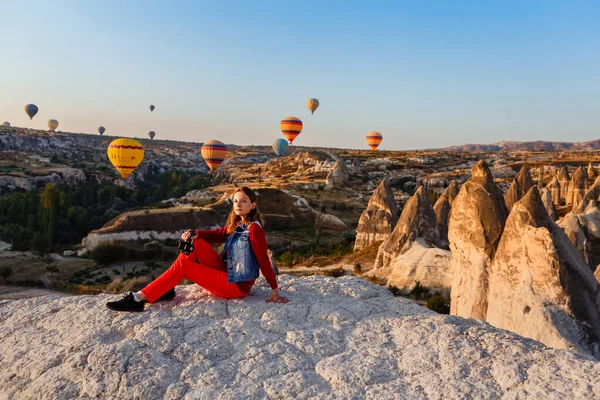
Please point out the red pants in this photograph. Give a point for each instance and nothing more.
(209, 274)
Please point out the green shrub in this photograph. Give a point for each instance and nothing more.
(336, 272)
(287, 259)
(116, 272)
(419, 291)
(108, 253)
(395, 290)
(52, 268)
(6, 272)
(439, 304)
(153, 264)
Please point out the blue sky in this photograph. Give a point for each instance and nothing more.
(423, 73)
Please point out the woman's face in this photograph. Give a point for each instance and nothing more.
(242, 204)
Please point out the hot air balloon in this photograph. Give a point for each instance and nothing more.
(280, 146)
(373, 140)
(6, 123)
(312, 104)
(31, 110)
(151, 107)
(125, 155)
(151, 135)
(291, 127)
(213, 152)
(52, 124)
(101, 130)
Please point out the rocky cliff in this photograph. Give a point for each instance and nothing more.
(337, 339)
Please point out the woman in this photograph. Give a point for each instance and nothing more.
(229, 275)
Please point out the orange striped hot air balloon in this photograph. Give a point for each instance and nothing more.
(213, 152)
(125, 155)
(291, 127)
(373, 140)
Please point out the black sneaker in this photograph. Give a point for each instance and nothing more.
(170, 295)
(127, 303)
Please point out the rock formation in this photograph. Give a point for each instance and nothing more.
(417, 220)
(548, 204)
(379, 218)
(540, 286)
(521, 184)
(564, 179)
(577, 187)
(338, 338)
(442, 209)
(339, 175)
(474, 231)
(593, 192)
(590, 171)
(555, 191)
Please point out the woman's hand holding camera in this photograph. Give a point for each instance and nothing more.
(189, 234)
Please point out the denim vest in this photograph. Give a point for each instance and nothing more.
(241, 261)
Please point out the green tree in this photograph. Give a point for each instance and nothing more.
(51, 209)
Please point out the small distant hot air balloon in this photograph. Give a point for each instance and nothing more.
(52, 124)
(291, 127)
(151, 135)
(312, 104)
(213, 152)
(280, 146)
(151, 107)
(101, 130)
(31, 110)
(6, 123)
(125, 155)
(373, 140)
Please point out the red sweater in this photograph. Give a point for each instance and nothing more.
(258, 241)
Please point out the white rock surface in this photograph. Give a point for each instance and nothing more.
(337, 339)
(540, 286)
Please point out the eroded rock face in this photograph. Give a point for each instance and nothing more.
(521, 184)
(593, 192)
(555, 191)
(564, 179)
(442, 209)
(337, 339)
(590, 170)
(339, 175)
(540, 286)
(379, 218)
(548, 204)
(417, 220)
(474, 231)
(577, 187)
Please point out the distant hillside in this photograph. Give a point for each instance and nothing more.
(538, 145)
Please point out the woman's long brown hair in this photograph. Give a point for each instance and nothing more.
(254, 215)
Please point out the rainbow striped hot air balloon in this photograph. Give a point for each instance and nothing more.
(31, 110)
(312, 105)
(213, 152)
(280, 146)
(125, 155)
(52, 124)
(291, 127)
(373, 140)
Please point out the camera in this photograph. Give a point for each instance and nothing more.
(186, 246)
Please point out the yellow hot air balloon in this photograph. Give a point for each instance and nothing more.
(125, 155)
(312, 105)
(291, 127)
(52, 124)
(373, 140)
(213, 152)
